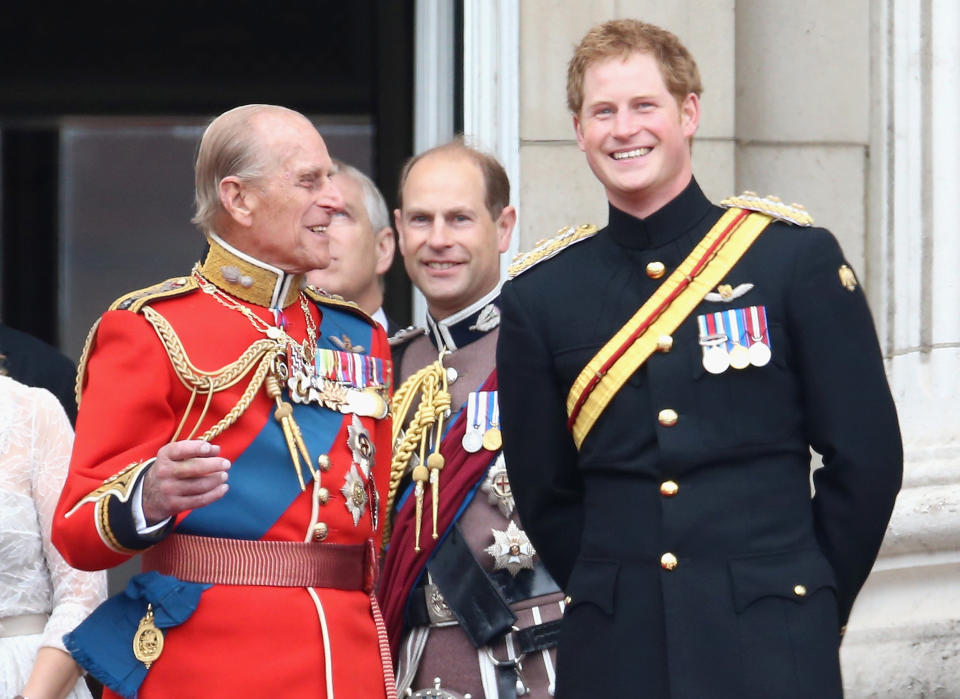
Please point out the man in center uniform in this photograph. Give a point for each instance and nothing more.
(227, 433)
(473, 611)
(663, 382)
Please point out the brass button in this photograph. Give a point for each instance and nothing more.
(664, 343)
(320, 531)
(800, 590)
(323, 495)
(669, 488)
(323, 461)
(568, 600)
(667, 417)
(668, 561)
(655, 270)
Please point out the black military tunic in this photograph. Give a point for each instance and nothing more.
(696, 559)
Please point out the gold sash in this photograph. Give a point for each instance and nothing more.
(629, 348)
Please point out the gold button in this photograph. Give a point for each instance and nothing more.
(664, 343)
(323, 461)
(568, 600)
(668, 561)
(655, 270)
(323, 495)
(320, 531)
(669, 488)
(799, 590)
(668, 417)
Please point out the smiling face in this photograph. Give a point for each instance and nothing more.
(358, 254)
(634, 133)
(281, 217)
(450, 243)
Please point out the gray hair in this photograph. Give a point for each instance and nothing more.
(373, 201)
(229, 147)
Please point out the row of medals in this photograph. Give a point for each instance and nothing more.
(717, 358)
(475, 439)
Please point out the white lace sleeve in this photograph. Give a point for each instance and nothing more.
(75, 593)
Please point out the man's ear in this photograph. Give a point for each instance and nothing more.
(385, 246)
(236, 199)
(690, 115)
(578, 131)
(505, 223)
(398, 222)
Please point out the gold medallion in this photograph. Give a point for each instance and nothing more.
(148, 640)
(492, 441)
(739, 357)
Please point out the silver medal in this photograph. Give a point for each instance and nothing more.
(759, 354)
(715, 359)
(472, 441)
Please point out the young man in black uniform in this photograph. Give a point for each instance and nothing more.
(662, 383)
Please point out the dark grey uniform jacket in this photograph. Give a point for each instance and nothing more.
(729, 620)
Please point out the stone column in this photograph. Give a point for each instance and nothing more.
(903, 639)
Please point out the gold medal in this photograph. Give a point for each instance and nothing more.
(148, 640)
(739, 357)
(492, 441)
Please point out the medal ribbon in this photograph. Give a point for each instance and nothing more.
(349, 368)
(662, 314)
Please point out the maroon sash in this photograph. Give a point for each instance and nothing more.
(402, 565)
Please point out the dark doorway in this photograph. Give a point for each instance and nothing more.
(109, 94)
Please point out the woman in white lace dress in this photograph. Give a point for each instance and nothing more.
(41, 597)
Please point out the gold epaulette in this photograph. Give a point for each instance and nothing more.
(133, 301)
(136, 300)
(335, 300)
(545, 249)
(771, 206)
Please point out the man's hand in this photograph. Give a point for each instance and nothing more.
(186, 475)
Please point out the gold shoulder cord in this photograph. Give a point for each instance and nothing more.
(430, 386)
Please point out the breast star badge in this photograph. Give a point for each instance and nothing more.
(497, 487)
(511, 550)
(354, 494)
(361, 446)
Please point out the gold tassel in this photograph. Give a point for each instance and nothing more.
(291, 431)
(419, 475)
(429, 385)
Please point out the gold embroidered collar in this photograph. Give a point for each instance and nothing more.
(247, 278)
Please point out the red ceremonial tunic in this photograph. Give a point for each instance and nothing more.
(242, 641)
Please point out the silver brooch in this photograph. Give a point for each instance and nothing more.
(488, 319)
(726, 293)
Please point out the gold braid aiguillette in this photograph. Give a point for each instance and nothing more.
(429, 385)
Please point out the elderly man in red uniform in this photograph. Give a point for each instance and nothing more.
(233, 428)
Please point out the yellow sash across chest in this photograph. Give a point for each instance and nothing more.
(705, 267)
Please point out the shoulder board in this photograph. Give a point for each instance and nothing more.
(545, 249)
(136, 300)
(336, 301)
(771, 206)
(402, 337)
